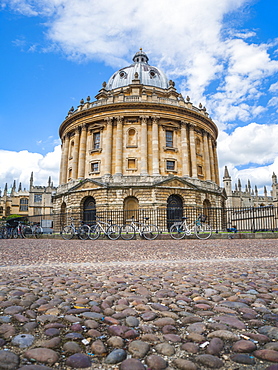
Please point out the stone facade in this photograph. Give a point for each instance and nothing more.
(35, 201)
(137, 145)
(248, 197)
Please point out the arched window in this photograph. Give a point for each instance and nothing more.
(207, 210)
(1, 211)
(131, 207)
(198, 146)
(63, 215)
(131, 138)
(71, 149)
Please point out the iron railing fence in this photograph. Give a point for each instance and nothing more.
(251, 219)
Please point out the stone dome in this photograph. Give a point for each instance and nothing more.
(141, 70)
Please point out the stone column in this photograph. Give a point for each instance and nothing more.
(82, 152)
(75, 154)
(144, 146)
(62, 161)
(119, 147)
(216, 165)
(155, 146)
(207, 157)
(184, 149)
(108, 148)
(193, 151)
(65, 159)
(211, 156)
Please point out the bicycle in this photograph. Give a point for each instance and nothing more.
(112, 231)
(18, 231)
(6, 231)
(201, 229)
(69, 231)
(29, 231)
(147, 231)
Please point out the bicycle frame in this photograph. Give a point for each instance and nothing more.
(190, 228)
(75, 229)
(138, 226)
(100, 223)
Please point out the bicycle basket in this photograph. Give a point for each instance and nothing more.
(202, 218)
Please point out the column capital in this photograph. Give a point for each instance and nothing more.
(184, 123)
(155, 118)
(204, 132)
(192, 125)
(119, 119)
(144, 119)
(83, 127)
(68, 135)
(108, 120)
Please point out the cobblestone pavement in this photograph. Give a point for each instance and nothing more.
(135, 305)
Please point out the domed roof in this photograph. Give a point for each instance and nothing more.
(140, 69)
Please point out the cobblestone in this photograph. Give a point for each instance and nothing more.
(160, 304)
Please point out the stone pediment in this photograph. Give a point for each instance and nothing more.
(87, 184)
(176, 182)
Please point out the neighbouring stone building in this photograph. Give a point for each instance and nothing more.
(35, 201)
(140, 144)
(248, 197)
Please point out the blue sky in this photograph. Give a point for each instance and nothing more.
(223, 54)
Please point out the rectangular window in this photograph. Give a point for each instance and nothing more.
(95, 167)
(170, 165)
(96, 140)
(131, 163)
(37, 198)
(169, 139)
(200, 170)
(23, 205)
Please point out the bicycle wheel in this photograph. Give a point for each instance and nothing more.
(127, 232)
(15, 233)
(5, 233)
(67, 232)
(94, 232)
(83, 232)
(177, 231)
(203, 231)
(150, 232)
(113, 232)
(38, 232)
(27, 232)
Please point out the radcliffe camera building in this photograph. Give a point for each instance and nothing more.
(140, 144)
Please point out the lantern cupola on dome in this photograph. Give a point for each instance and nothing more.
(148, 75)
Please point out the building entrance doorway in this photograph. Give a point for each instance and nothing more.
(131, 208)
(174, 210)
(89, 210)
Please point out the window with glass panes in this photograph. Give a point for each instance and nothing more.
(170, 165)
(169, 139)
(96, 140)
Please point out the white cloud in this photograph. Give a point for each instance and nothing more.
(273, 102)
(19, 165)
(274, 87)
(253, 146)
